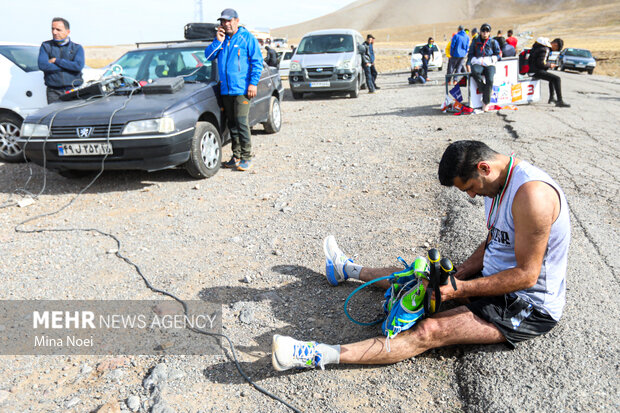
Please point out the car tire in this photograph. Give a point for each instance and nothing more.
(590, 71)
(297, 95)
(9, 132)
(562, 68)
(355, 92)
(205, 156)
(274, 123)
(440, 68)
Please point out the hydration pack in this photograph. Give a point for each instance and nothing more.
(524, 62)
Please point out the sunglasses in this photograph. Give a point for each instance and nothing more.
(485, 30)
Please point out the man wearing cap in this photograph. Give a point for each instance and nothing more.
(483, 54)
(539, 65)
(240, 63)
(369, 43)
(459, 46)
(61, 61)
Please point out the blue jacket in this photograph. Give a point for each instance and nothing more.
(66, 72)
(459, 45)
(240, 62)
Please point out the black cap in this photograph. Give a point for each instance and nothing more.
(228, 14)
(370, 36)
(485, 27)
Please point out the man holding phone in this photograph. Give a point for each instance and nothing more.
(240, 63)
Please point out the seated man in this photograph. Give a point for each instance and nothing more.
(516, 278)
(483, 54)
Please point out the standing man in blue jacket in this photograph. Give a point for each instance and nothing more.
(458, 53)
(240, 63)
(482, 56)
(61, 61)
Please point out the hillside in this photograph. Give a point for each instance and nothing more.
(365, 15)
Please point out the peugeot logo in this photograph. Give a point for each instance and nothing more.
(319, 69)
(84, 132)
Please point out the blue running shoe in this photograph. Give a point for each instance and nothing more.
(335, 261)
(288, 353)
(244, 165)
(232, 163)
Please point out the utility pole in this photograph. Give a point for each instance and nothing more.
(198, 11)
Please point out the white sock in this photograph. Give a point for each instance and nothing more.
(353, 270)
(331, 354)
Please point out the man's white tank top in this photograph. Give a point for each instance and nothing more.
(549, 294)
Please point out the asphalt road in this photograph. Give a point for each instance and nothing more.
(364, 170)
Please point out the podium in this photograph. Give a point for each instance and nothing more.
(509, 88)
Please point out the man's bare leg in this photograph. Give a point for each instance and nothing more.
(454, 326)
(369, 274)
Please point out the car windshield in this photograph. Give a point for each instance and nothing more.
(578, 53)
(326, 43)
(159, 63)
(25, 57)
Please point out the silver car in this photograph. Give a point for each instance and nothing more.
(327, 61)
(576, 59)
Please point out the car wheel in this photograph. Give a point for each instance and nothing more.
(590, 71)
(355, 92)
(297, 95)
(275, 116)
(9, 132)
(440, 68)
(205, 155)
(562, 68)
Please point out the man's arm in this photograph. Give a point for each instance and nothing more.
(535, 207)
(44, 64)
(256, 66)
(472, 265)
(75, 65)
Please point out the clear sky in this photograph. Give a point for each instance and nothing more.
(109, 22)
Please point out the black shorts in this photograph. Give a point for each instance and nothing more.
(516, 319)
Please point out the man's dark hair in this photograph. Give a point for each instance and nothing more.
(559, 42)
(461, 159)
(64, 22)
(509, 33)
(429, 39)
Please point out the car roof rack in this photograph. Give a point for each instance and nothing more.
(172, 42)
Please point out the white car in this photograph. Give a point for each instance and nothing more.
(436, 61)
(22, 92)
(284, 58)
(279, 42)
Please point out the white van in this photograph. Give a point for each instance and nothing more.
(327, 61)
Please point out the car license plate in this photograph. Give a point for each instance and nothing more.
(319, 84)
(84, 149)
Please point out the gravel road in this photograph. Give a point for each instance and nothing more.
(364, 170)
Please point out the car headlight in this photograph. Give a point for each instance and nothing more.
(345, 65)
(34, 130)
(160, 125)
(295, 67)
(592, 64)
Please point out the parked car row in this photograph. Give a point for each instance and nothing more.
(158, 108)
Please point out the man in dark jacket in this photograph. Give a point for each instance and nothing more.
(428, 53)
(272, 57)
(370, 41)
(482, 56)
(539, 65)
(367, 64)
(61, 61)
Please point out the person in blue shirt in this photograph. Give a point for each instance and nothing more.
(483, 54)
(240, 63)
(61, 61)
(459, 46)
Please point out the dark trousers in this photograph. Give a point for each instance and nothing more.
(237, 111)
(424, 68)
(555, 82)
(369, 79)
(374, 73)
(486, 84)
(456, 65)
(53, 95)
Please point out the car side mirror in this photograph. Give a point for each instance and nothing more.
(410, 53)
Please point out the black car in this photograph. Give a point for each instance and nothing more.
(156, 108)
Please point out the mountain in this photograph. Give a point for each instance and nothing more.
(364, 15)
